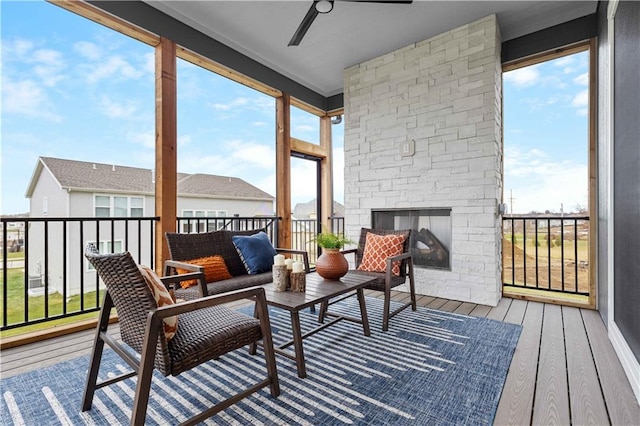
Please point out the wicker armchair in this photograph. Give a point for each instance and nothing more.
(385, 281)
(206, 330)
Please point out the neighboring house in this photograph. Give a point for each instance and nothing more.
(61, 188)
(309, 210)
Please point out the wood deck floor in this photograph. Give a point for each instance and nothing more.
(564, 370)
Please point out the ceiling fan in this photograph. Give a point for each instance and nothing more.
(325, 6)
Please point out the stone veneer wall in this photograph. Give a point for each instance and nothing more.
(444, 93)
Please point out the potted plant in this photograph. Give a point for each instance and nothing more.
(331, 264)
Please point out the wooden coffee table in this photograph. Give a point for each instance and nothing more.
(318, 291)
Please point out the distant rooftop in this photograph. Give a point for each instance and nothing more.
(89, 176)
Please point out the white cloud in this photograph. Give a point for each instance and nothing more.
(522, 76)
(238, 102)
(538, 183)
(564, 61)
(581, 99)
(49, 66)
(28, 98)
(88, 50)
(582, 79)
(113, 67)
(127, 109)
(146, 139)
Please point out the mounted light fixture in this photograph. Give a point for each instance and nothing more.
(324, 6)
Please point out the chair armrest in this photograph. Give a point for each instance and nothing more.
(349, 251)
(402, 256)
(303, 253)
(205, 302)
(198, 273)
(172, 264)
(397, 257)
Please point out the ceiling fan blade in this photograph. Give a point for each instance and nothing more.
(304, 25)
(381, 1)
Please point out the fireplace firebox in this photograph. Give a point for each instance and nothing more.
(430, 237)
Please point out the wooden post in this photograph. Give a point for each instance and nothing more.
(283, 169)
(166, 155)
(326, 174)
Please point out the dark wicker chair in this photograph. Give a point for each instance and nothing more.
(206, 330)
(385, 281)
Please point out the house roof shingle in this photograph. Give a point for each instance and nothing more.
(86, 176)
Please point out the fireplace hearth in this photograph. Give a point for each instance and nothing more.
(430, 237)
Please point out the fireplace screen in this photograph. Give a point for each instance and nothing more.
(430, 237)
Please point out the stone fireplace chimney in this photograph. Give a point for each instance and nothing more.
(423, 131)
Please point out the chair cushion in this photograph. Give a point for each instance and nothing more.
(162, 298)
(215, 269)
(255, 251)
(377, 249)
(209, 333)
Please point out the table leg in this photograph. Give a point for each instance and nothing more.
(363, 312)
(254, 346)
(297, 344)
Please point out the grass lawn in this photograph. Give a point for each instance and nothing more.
(36, 305)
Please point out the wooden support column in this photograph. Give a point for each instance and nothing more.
(283, 169)
(326, 173)
(166, 143)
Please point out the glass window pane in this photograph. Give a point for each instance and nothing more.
(102, 212)
(137, 212)
(103, 201)
(120, 206)
(136, 202)
(187, 213)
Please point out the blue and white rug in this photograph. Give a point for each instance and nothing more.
(431, 367)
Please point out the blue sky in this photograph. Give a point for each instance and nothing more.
(546, 135)
(74, 89)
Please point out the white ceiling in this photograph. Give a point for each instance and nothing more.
(354, 31)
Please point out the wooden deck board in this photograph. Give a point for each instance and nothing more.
(551, 400)
(450, 306)
(500, 310)
(465, 308)
(536, 390)
(618, 395)
(516, 405)
(587, 404)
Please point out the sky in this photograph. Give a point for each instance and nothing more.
(74, 89)
(546, 136)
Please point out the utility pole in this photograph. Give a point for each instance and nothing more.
(511, 201)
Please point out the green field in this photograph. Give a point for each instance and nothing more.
(16, 306)
(556, 247)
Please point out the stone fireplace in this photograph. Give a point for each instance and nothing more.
(423, 131)
(430, 233)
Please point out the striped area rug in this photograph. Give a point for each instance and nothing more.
(431, 367)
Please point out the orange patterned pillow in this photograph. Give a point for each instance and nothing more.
(214, 270)
(162, 298)
(377, 249)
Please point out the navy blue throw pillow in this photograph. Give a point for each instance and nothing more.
(255, 251)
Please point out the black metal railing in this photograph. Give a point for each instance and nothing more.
(303, 231)
(269, 224)
(47, 276)
(548, 253)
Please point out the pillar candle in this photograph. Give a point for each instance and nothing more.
(289, 263)
(297, 267)
(278, 259)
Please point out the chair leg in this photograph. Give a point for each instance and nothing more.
(96, 353)
(387, 308)
(324, 306)
(412, 286)
(145, 373)
(267, 345)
